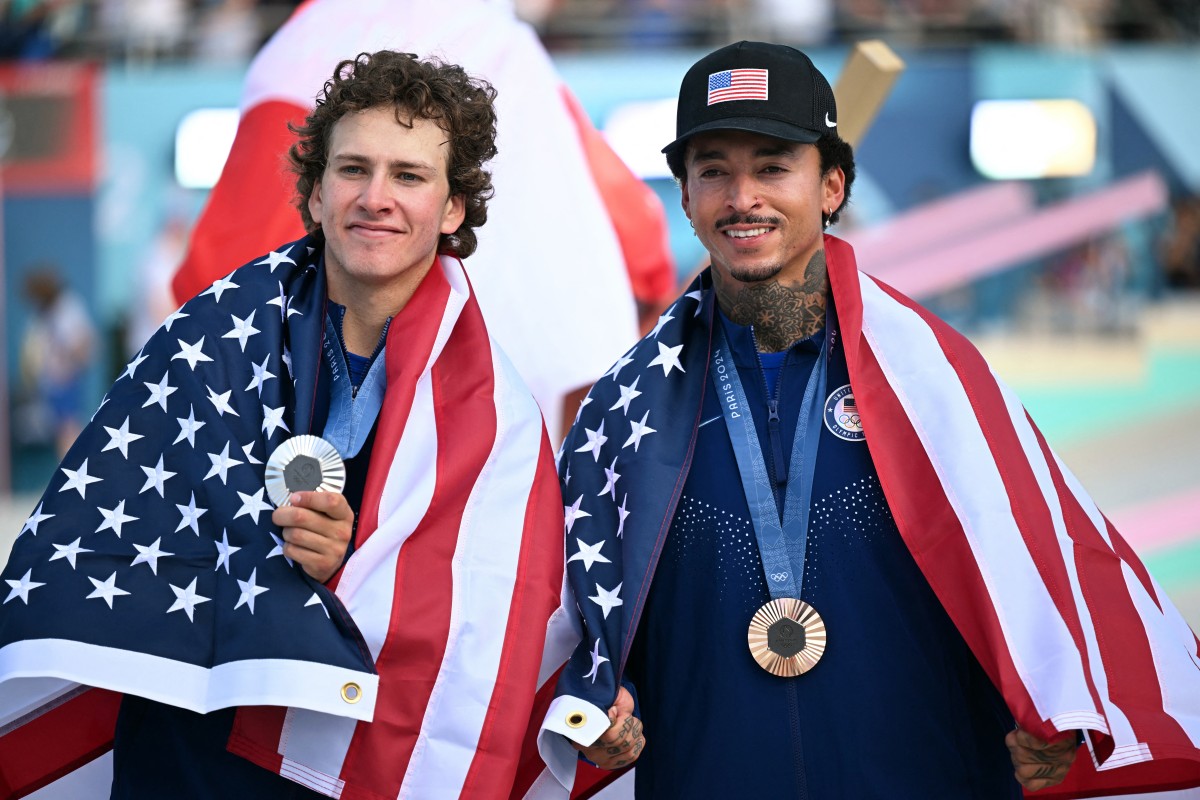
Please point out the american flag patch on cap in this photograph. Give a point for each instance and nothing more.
(737, 84)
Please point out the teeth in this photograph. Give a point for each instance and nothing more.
(747, 234)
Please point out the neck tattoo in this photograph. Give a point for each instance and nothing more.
(780, 312)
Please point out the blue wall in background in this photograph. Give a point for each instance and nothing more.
(138, 188)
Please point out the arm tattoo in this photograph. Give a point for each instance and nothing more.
(780, 313)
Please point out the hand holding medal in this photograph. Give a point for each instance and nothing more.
(304, 479)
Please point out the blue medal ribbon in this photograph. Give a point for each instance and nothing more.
(351, 414)
(782, 539)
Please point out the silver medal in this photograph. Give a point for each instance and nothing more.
(304, 464)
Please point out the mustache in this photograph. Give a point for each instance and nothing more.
(745, 219)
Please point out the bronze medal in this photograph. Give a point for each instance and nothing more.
(786, 637)
(304, 464)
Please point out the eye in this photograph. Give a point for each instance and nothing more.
(408, 177)
(351, 169)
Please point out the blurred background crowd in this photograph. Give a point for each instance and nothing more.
(1078, 275)
(146, 31)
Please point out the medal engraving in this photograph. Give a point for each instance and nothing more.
(303, 474)
(304, 464)
(786, 637)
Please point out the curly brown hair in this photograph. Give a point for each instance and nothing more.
(464, 107)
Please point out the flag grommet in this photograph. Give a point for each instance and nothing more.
(352, 692)
(576, 719)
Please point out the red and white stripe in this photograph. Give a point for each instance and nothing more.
(51, 728)
(1059, 610)
(458, 569)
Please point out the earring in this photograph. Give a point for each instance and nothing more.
(825, 215)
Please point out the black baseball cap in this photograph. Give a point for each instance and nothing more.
(766, 88)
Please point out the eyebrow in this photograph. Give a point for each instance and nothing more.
(411, 166)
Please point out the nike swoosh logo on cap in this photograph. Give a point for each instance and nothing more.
(829, 123)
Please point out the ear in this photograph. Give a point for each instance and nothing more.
(833, 185)
(314, 202)
(455, 213)
(685, 199)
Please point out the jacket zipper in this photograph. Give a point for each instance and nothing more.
(778, 468)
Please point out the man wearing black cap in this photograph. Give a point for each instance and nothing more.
(786, 610)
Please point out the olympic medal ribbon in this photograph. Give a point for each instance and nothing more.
(782, 539)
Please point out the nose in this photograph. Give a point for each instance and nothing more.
(376, 195)
(743, 193)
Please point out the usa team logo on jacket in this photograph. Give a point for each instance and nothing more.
(841, 415)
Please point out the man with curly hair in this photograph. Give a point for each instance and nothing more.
(437, 561)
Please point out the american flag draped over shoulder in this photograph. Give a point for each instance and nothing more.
(1057, 608)
(151, 566)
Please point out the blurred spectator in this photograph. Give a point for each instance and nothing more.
(1180, 245)
(153, 300)
(228, 32)
(795, 22)
(1065, 24)
(1107, 302)
(663, 23)
(865, 16)
(143, 31)
(32, 29)
(1181, 16)
(1087, 288)
(55, 352)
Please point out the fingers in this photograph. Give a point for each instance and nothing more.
(1038, 764)
(332, 504)
(623, 742)
(317, 527)
(620, 745)
(623, 705)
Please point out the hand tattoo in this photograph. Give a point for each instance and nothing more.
(629, 743)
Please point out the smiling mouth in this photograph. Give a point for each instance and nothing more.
(747, 234)
(370, 230)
